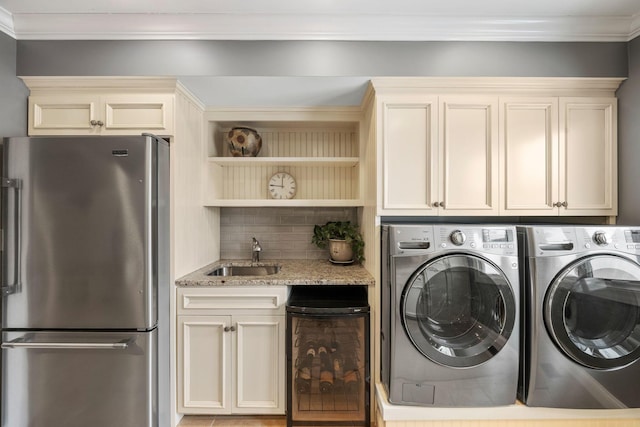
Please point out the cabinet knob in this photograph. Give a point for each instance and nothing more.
(563, 204)
(442, 204)
(435, 204)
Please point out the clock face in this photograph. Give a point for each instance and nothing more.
(282, 186)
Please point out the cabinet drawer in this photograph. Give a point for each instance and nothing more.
(269, 299)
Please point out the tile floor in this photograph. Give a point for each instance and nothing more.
(232, 421)
(235, 421)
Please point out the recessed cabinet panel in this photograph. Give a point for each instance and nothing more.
(469, 155)
(589, 154)
(259, 364)
(205, 366)
(51, 114)
(409, 161)
(151, 112)
(530, 126)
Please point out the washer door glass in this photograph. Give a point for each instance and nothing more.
(592, 311)
(458, 310)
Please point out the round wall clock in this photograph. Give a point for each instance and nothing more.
(282, 186)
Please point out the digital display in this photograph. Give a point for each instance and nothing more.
(632, 236)
(497, 235)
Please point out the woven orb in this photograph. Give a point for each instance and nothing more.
(244, 142)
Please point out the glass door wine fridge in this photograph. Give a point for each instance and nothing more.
(328, 380)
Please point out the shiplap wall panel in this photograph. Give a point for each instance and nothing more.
(194, 227)
(314, 181)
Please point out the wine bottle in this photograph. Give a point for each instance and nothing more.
(303, 378)
(326, 370)
(351, 376)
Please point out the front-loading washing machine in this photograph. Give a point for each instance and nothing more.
(581, 316)
(449, 315)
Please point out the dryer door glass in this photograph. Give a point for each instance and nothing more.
(458, 310)
(592, 311)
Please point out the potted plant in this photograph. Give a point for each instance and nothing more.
(343, 239)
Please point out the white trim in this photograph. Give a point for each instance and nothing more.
(635, 27)
(299, 26)
(543, 86)
(91, 83)
(6, 22)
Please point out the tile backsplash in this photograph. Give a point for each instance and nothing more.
(283, 233)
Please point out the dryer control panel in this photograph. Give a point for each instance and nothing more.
(561, 240)
(488, 239)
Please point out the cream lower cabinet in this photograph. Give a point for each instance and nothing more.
(559, 156)
(231, 344)
(439, 154)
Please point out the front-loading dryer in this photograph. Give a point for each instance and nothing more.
(450, 307)
(581, 316)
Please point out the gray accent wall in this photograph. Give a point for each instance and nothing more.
(320, 58)
(629, 140)
(13, 93)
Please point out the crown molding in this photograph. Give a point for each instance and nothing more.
(298, 26)
(635, 27)
(6, 22)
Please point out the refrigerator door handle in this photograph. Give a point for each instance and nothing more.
(20, 343)
(16, 185)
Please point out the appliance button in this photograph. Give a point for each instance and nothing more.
(503, 246)
(495, 246)
(472, 244)
(587, 245)
(444, 245)
(630, 247)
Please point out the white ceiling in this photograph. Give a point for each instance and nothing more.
(412, 20)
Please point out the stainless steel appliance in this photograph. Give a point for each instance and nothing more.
(450, 315)
(327, 343)
(581, 330)
(85, 282)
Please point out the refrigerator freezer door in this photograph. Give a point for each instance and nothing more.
(101, 379)
(86, 239)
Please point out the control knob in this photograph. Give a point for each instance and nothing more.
(600, 238)
(457, 237)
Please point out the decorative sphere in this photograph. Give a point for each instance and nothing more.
(244, 142)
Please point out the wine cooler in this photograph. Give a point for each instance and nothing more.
(328, 380)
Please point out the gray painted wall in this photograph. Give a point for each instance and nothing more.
(629, 140)
(13, 93)
(321, 58)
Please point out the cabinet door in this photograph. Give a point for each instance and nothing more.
(529, 158)
(134, 113)
(259, 365)
(63, 115)
(468, 155)
(588, 156)
(204, 361)
(409, 152)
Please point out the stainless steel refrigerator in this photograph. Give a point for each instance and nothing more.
(85, 282)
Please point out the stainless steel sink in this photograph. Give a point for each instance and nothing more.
(245, 270)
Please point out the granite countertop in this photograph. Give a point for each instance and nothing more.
(292, 272)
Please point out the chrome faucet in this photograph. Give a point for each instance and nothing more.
(255, 250)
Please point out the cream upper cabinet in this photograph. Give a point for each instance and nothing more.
(231, 350)
(588, 156)
(409, 131)
(439, 155)
(468, 155)
(559, 156)
(93, 114)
